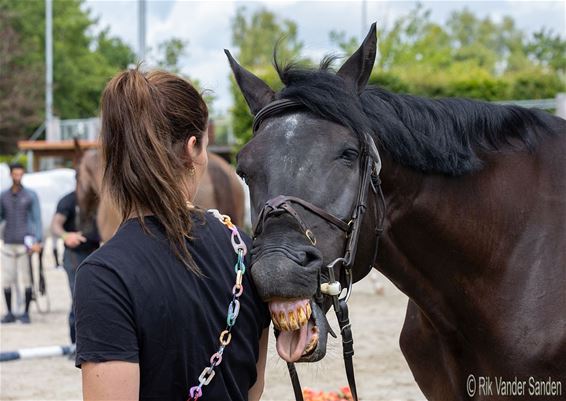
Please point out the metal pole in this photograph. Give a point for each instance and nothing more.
(364, 20)
(141, 30)
(48, 66)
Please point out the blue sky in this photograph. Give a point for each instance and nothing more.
(206, 25)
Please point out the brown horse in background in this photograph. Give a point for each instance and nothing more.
(220, 189)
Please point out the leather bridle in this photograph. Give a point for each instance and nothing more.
(370, 167)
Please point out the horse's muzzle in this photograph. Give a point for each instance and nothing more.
(281, 271)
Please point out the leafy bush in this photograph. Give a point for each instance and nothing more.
(535, 85)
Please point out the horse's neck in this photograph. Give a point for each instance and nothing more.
(443, 233)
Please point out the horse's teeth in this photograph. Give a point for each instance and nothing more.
(308, 310)
(289, 320)
(313, 342)
(302, 317)
(275, 321)
(293, 323)
(283, 321)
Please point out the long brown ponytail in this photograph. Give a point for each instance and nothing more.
(147, 120)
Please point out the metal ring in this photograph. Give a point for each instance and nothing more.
(311, 237)
(331, 264)
(349, 280)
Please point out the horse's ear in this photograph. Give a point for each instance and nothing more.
(357, 69)
(256, 92)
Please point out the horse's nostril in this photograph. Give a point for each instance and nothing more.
(308, 257)
(311, 257)
(300, 254)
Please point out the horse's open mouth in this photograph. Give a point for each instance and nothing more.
(301, 330)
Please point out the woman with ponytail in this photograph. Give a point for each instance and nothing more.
(152, 302)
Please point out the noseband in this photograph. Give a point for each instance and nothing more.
(370, 165)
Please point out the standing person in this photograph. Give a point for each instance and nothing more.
(19, 206)
(152, 302)
(67, 223)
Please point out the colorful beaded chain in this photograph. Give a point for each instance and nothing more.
(233, 308)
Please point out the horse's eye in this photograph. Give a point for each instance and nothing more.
(349, 155)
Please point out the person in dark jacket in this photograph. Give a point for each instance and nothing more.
(19, 207)
(81, 238)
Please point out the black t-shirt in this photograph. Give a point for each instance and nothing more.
(68, 207)
(135, 301)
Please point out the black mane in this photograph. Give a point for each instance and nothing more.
(431, 135)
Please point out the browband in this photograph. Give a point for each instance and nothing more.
(273, 108)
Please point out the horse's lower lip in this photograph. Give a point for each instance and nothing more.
(292, 319)
(322, 326)
(306, 344)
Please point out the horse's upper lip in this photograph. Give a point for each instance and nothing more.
(277, 275)
(292, 253)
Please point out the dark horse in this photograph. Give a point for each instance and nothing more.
(474, 231)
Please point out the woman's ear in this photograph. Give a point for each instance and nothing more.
(193, 147)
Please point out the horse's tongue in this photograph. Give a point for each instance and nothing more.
(291, 344)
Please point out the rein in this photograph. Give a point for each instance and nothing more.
(370, 165)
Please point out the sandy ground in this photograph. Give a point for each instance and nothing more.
(381, 371)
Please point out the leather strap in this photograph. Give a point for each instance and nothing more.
(357, 216)
(297, 389)
(347, 345)
(273, 108)
(282, 202)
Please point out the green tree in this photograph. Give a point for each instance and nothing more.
(82, 62)
(255, 37)
(413, 42)
(497, 47)
(168, 58)
(20, 87)
(171, 51)
(116, 53)
(548, 50)
(467, 56)
(347, 45)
